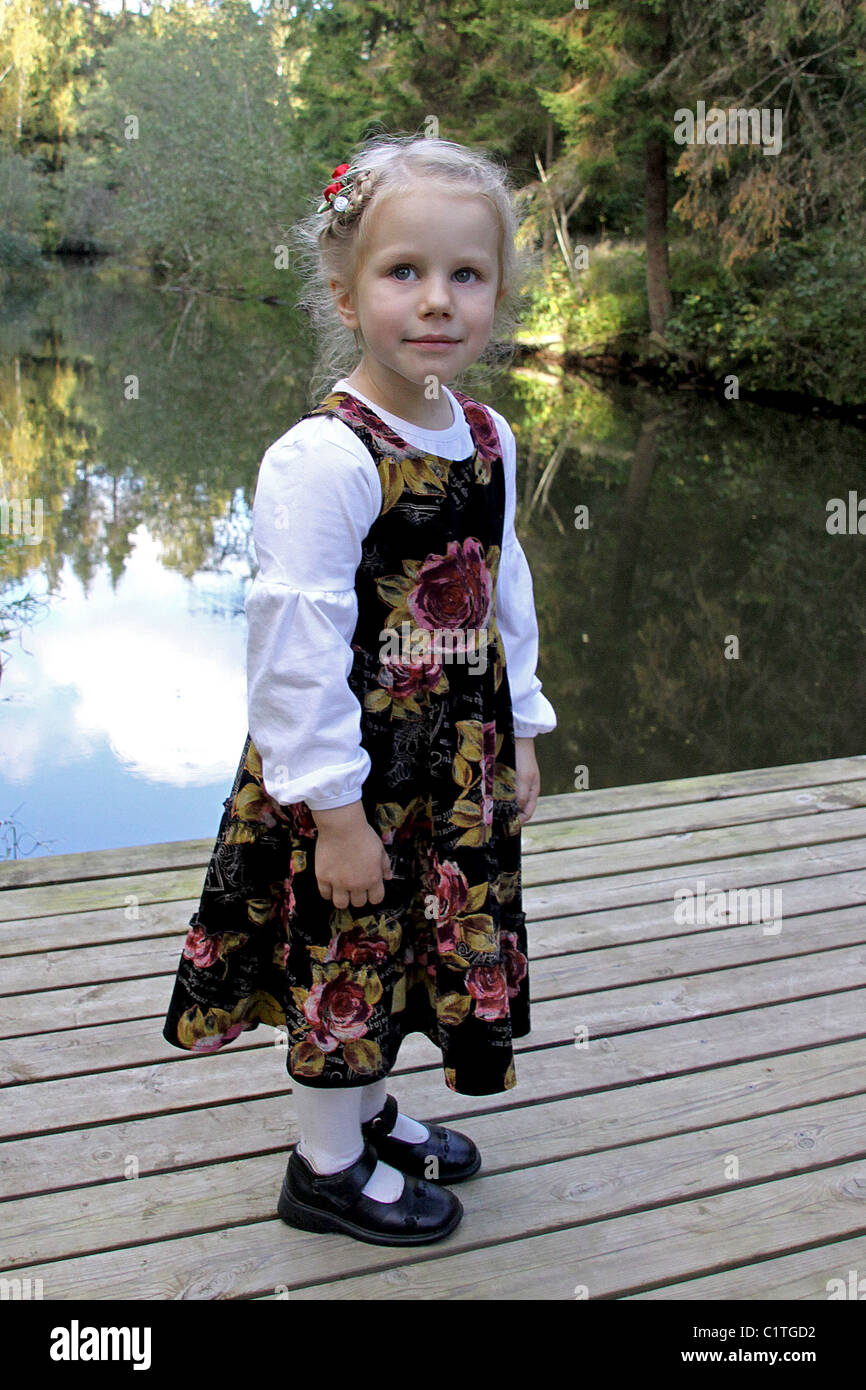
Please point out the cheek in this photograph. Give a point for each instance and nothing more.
(390, 314)
(483, 306)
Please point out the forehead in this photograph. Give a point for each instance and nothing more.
(431, 217)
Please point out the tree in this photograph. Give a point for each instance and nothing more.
(614, 111)
(195, 135)
(804, 58)
(468, 65)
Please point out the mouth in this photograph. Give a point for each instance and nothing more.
(433, 339)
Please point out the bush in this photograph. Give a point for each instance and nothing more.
(20, 212)
(791, 321)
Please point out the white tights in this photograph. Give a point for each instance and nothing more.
(331, 1139)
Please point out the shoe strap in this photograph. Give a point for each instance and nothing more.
(344, 1188)
(386, 1119)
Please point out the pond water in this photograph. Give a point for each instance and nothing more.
(696, 614)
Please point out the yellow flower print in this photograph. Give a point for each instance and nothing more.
(422, 476)
(478, 744)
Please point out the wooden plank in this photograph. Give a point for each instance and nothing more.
(796, 1033)
(681, 791)
(71, 932)
(174, 854)
(608, 1257)
(606, 1015)
(678, 820)
(83, 1006)
(130, 891)
(670, 851)
(613, 1258)
(610, 962)
(52, 869)
(205, 1123)
(158, 956)
(622, 891)
(600, 1184)
(809, 1274)
(677, 852)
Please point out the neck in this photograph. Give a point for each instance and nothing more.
(404, 399)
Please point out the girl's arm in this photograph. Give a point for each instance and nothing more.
(515, 611)
(528, 777)
(518, 624)
(315, 502)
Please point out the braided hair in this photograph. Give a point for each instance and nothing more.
(358, 194)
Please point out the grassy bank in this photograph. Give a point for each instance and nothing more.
(787, 322)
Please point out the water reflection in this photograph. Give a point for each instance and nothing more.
(695, 614)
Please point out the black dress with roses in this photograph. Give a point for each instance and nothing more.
(445, 953)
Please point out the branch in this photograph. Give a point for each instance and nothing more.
(556, 227)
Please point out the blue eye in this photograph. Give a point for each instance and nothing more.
(463, 269)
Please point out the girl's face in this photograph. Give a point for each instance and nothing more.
(431, 268)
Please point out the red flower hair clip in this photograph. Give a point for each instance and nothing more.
(335, 195)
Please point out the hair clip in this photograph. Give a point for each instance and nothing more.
(334, 195)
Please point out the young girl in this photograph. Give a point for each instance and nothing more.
(365, 881)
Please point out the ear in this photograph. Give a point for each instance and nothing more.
(343, 302)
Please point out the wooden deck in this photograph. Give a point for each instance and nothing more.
(707, 1143)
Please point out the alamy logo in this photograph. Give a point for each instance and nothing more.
(75, 1343)
(20, 1288)
(411, 647)
(739, 125)
(16, 518)
(736, 907)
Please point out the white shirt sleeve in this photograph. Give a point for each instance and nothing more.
(316, 498)
(515, 610)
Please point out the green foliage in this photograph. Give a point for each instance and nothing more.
(82, 207)
(792, 320)
(606, 303)
(20, 212)
(197, 145)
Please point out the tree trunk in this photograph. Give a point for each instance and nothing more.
(547, 244)
(658, 280)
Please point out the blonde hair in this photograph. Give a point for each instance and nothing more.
(332, 244)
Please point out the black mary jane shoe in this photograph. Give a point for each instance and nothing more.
(456, 1156)
(315, 1201)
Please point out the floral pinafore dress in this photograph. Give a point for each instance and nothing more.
(445, 953)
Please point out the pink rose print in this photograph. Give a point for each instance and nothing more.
(357, 947)
(486, 984)
(200, 949)
(514, 962)
(454, 590)
(286, 900)
(403, 679)
(485, 432)
(339, 1011)
(449, 885)
(301, 818)
(219, 1039)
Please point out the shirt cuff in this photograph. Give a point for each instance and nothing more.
(544, 721)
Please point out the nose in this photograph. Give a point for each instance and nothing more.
(436, 295)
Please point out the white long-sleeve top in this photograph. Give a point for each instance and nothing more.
(317, 496)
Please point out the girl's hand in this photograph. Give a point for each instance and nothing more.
(528, 777)
(350, 859)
